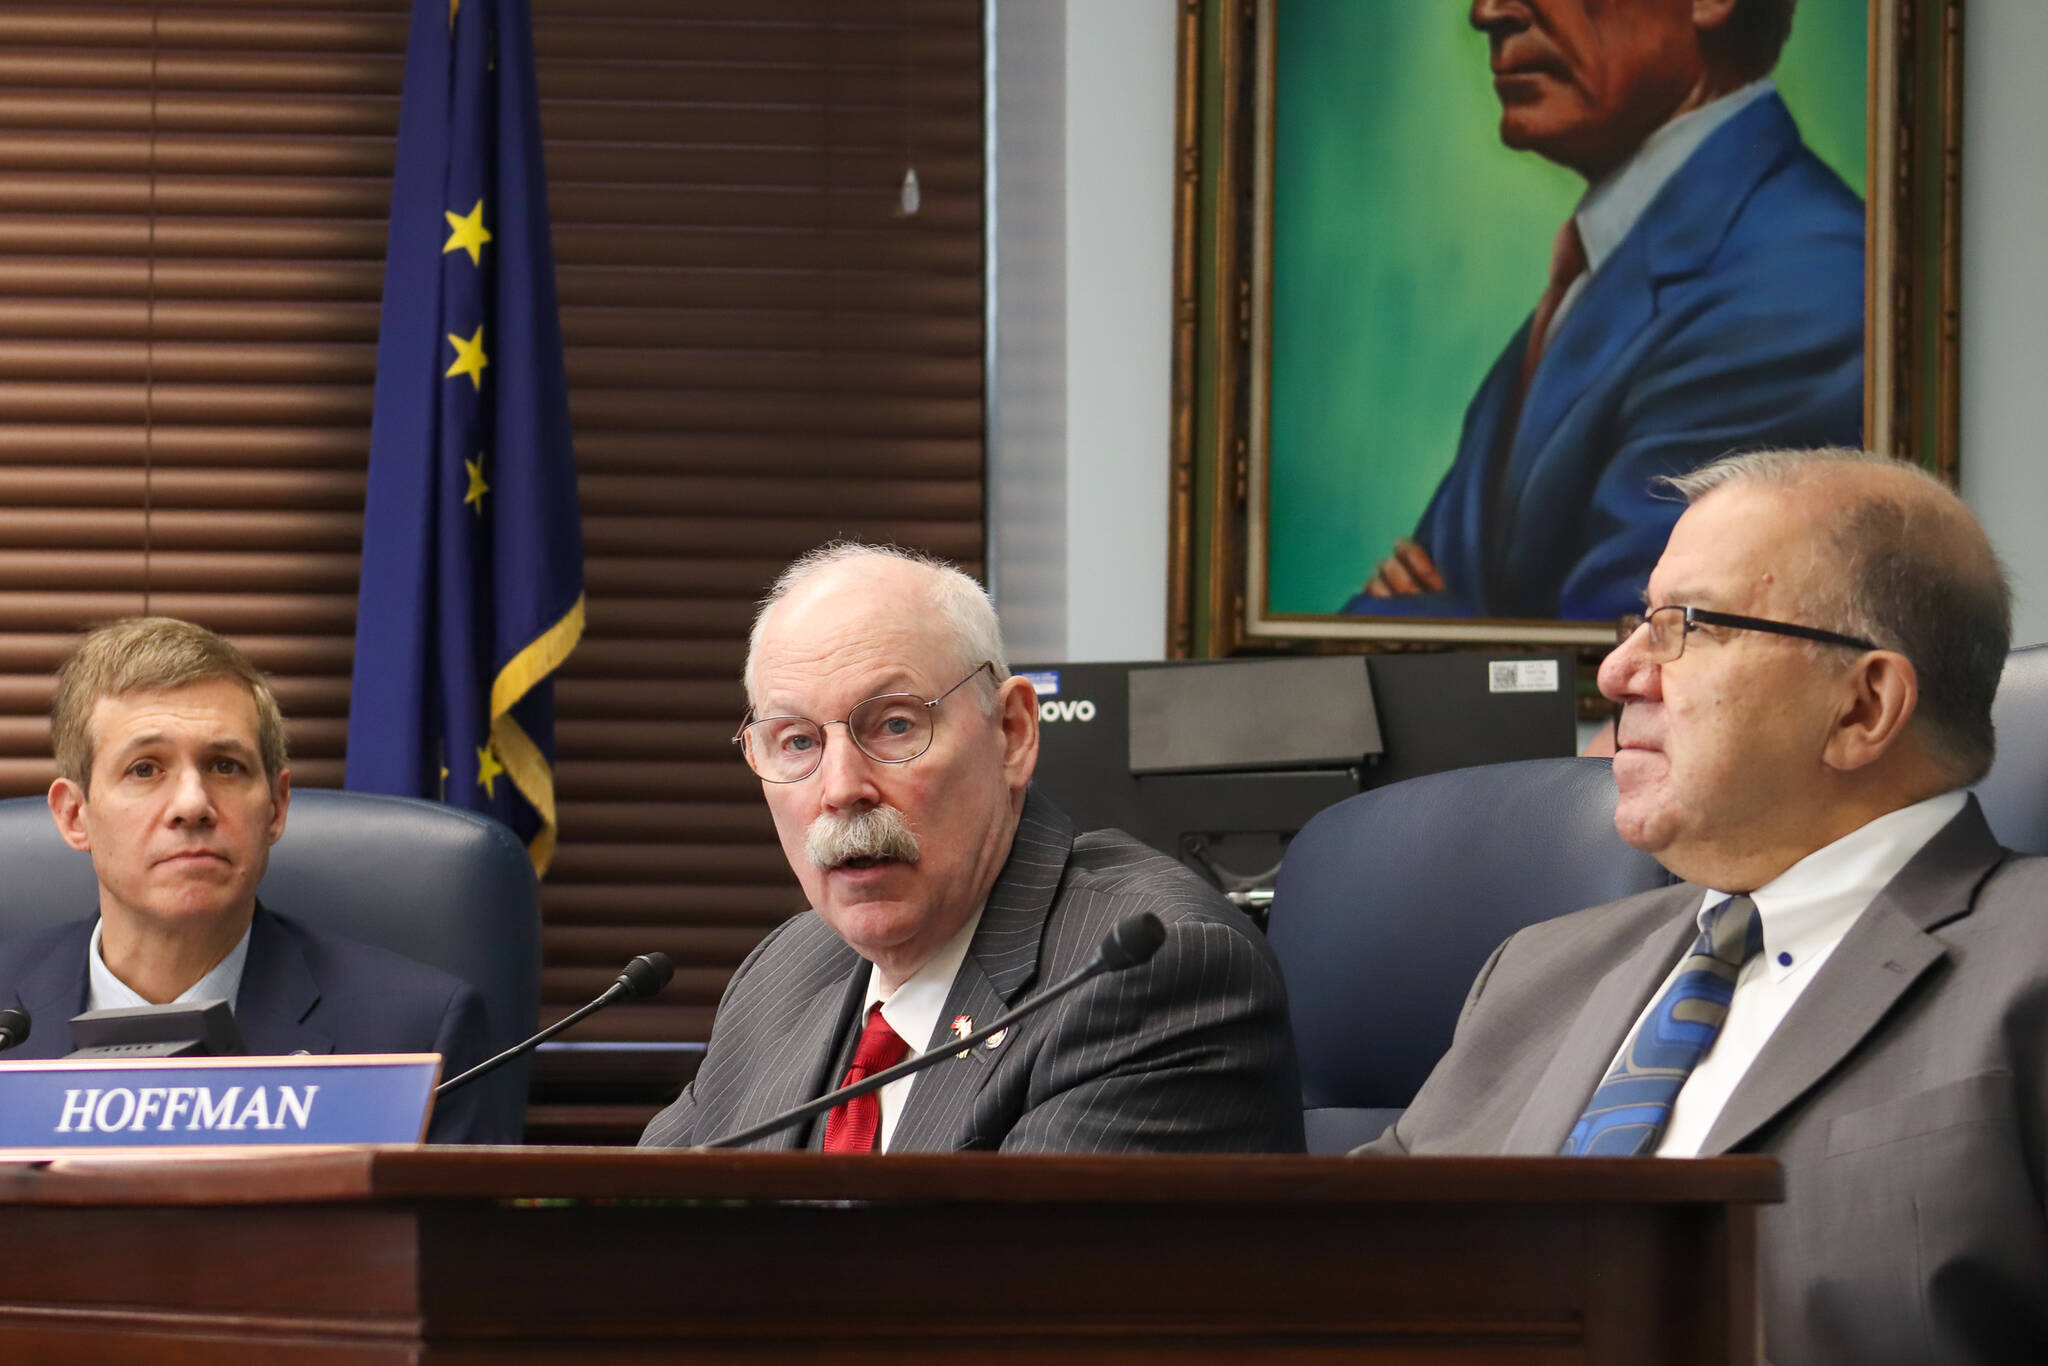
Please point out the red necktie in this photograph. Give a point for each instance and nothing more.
(852, 1127)
(1567, 263)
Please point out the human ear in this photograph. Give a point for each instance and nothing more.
(67, 808)
(1017, 714)
(1881, 694)
(1709, 15)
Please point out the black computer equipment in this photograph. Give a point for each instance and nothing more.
(182, 1029)
(1218, 763)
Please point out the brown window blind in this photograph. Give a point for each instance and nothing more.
(763, 352)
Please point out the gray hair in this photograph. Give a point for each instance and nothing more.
(961, 604)
(1913, 571)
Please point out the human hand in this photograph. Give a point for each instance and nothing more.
(1407, 571)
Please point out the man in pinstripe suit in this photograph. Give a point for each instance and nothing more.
(944, 891)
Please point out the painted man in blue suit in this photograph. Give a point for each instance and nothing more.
(1706, 297)
(171, 752)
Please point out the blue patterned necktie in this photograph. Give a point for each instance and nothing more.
(1632, 1104)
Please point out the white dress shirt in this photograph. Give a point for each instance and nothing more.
(1609, 210)
(912, 1010)
(105, 991)
(1805, 912)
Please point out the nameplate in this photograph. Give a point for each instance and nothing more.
(48, 1108)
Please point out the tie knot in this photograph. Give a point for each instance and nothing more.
(879, 1046)
(1736, 932)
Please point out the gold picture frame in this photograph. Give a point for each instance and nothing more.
(1222, 283)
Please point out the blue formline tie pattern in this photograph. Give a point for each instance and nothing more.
(1632, 1104)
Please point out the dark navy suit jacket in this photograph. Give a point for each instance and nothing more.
(1730, 318)
(302, 992)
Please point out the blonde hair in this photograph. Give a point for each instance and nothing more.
(151, 654)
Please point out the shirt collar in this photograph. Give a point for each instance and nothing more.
(1809, 907)
(912, 1010)
(1611, 207)
(107, 992)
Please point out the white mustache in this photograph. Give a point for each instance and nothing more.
(878, 832)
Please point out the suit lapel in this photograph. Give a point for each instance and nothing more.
(1001, 964)
(1595, 1036)
(1676, 236)
(820, 1028)
(935, 1117)
(52, 992)
(277, 994)
(1886, 951)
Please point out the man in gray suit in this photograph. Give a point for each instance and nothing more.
(1854, 977)
(895, 751)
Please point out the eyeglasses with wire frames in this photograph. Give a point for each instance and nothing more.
(1669, 626)
(892, 728)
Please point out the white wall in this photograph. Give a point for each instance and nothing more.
(1084, 98)
(2005, 293)
(1083, 138)
(1027, 392)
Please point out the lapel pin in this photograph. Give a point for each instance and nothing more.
(963, 1025)
(995, 1040)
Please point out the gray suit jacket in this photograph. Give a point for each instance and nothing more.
(1906, 1095)
(1189, 1051)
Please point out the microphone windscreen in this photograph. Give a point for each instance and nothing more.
(1134, 939)
(13, 1026)
(648, 973)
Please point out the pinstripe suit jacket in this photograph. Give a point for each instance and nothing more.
(1190, 1051)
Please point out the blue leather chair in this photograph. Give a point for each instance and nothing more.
(2015, 791)
(1388, 904)
(440, 885)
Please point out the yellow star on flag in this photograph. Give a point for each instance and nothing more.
(468, 233)
(469, 357)
(477, 487)
(487, 769)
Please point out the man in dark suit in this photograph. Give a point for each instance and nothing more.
(171, 755)
(1854, 976)
(1706, 297)
(896, 751)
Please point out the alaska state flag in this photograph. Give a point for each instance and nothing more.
(472, 584)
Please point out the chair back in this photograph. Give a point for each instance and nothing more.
(2015, 792)
(1388, 904)
(446, 887)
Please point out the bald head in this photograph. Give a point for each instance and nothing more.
(856, 574)
(1899, 560)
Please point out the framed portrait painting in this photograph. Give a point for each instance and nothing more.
(1457, 282)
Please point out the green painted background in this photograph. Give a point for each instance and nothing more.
(1408, 245)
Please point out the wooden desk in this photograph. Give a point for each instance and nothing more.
(449, 1255)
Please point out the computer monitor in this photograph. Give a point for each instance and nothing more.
(1221, 811)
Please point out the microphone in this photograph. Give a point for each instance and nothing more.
(643, 976)
(13, 1027)
(1133, 940)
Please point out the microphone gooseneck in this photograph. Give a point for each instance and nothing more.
(644, 976)
(1133, 940)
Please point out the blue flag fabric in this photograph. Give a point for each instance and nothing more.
(472, 581)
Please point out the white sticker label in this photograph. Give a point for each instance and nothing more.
(1521, 675)
(1045, 683)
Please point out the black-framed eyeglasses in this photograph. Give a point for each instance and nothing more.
(892, 728)
(1669, 626)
